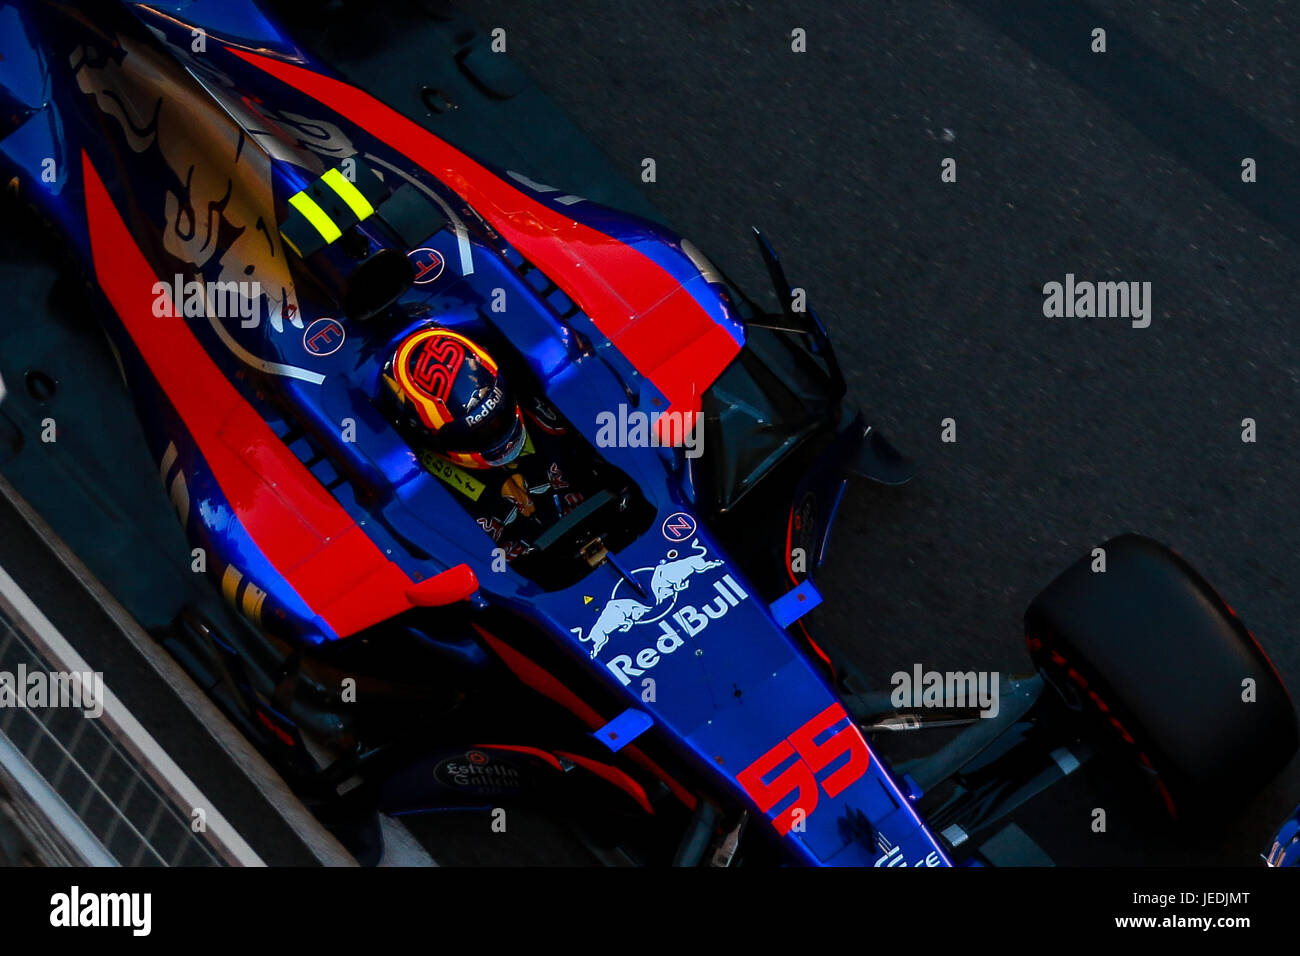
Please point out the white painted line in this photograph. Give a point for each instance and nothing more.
(265, 365)
(70, 827)
(131, 734)
(319, 841)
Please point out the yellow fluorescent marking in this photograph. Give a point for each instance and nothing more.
(458, 478)
(316, 216)
(349, 193)
(587, 599)
(289, 242)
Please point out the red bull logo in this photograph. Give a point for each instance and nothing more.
(687, 620)
(676, 621)
(673, 576)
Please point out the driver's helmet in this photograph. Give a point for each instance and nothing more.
(450, 389)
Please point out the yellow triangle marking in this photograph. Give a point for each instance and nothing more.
(587, 599)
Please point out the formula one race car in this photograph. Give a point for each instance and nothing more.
(520, 497)
(1285, 848)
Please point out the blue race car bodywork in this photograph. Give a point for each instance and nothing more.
(1285, 848)
(261, 234)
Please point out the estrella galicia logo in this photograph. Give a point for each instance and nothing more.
(679, 526)
(324, 337)
(479, 774)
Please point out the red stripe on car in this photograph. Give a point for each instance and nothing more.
(295, 522)
(636, 304)
(613, 776)
(540, 754)
(533, 675)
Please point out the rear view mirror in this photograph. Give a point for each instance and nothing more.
(450, 587)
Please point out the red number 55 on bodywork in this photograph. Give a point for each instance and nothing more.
(800, 777)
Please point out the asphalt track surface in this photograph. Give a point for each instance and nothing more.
(1117, 166)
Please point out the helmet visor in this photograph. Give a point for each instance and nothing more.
(501, 439)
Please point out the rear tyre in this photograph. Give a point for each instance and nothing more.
(1158, 667)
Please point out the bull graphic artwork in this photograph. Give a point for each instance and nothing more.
(217, 186)
(672, 576)
(617, 615)
(666, 580)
